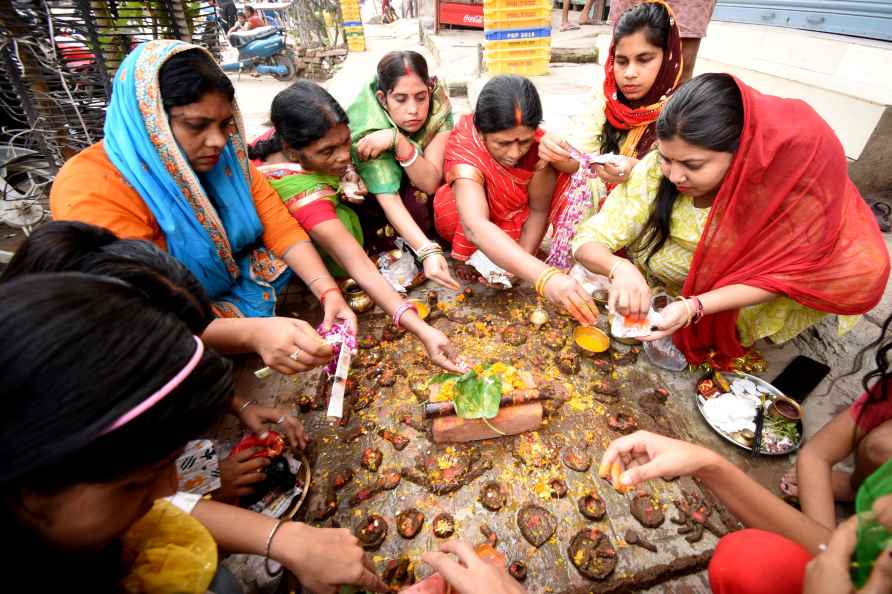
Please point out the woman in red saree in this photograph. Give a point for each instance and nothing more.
(497, 199)
(747, 212)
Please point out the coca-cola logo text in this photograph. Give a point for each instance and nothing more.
(473, 19)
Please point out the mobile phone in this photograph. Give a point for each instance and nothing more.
(800, 377)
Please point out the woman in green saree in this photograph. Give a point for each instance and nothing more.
(399, 125)
(305, 158)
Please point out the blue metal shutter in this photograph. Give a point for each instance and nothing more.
(860, 18)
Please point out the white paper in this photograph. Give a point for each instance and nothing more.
(489, 270)
(619, 329)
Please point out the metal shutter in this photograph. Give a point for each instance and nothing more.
(860, 18)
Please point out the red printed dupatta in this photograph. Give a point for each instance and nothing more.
(786, 219)
(507, 193)
(641, 121)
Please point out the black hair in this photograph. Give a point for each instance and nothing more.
(706, 111)
(395, 65)
(72, 246)
(653, 19)
(188, 76)
(248, 9)
(301, 114)
(87, 350)
(502, 100)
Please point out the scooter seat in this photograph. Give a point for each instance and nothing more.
(243, 38)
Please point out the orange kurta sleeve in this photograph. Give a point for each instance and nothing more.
(280, 230)
(89, 189)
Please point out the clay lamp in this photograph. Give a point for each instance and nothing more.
(785, 408)
(422, 306)
(591, 339)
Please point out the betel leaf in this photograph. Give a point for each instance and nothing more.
(477, 397)
(442, 377)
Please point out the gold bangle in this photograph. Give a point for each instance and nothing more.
(687, 308)
(544, 278)
(614, 267)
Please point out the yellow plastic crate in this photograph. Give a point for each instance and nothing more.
(540, 55)
(520, 44)
(500, 4)
(348, 31)
(351, 16)
(541, 15)
(517, 66)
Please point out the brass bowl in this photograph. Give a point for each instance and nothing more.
(422, 306)
(789, 409)
(356, 298)
(593, 340)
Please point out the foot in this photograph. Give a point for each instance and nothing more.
(569, 27)
(586, 22)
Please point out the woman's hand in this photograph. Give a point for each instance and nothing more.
(643, 456)
(437, 269)
(256, 418)
(828, 573)
(629, 292)
(564, 291)
(335, 308)
(277, 339)
(372, 145)
(441, 351)
(471, 574)
(324, 558)
(554, 149)
(674, 316)
(239, 473)
(616, 172)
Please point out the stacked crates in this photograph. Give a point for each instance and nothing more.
(518, 36)
(353, 25)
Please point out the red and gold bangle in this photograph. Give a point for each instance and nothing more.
(402, 309)
(699, 311)
(326, 292)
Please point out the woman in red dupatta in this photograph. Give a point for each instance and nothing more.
(781, 217)
(496, 200)
(643, 69)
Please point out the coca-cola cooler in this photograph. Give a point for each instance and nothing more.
(460, 13)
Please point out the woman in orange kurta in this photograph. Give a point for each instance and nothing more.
(172, 169)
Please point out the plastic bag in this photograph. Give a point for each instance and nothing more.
(663, 353)
(489, 270)
(590, 281)
(169, 552)
(399, 271)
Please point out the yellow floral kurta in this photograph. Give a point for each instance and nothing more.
(622, 220)
(586, 134)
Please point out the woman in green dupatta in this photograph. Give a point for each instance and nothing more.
(306, 158)
(399, 125)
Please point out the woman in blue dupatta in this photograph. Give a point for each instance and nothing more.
(173, 169)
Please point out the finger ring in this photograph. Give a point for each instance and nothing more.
(621, 172)
(280, 420)
(822, 547)
(293, 356)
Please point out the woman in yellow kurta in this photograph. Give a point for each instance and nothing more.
(726, 213)
(642, 70)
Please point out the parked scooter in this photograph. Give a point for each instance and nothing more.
(263, 50)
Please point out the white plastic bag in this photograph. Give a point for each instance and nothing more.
(399, 271)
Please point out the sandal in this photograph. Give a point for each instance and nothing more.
(881, 211)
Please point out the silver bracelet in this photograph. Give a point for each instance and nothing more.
(269, 542)
(245, 405)
(410, 162)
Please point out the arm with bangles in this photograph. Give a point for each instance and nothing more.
(645, 456)
(426, 169)
(630, 294)
(334, 238)
(321, 558)
(559, 288)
